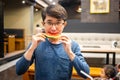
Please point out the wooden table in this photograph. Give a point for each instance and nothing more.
(102, 49)
(94, 72)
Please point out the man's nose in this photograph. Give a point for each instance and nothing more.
(53, 27)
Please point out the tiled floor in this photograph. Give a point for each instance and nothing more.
(7, 69)
(8, 65)
(9, 74)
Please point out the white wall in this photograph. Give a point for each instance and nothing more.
(37, 19)
(18, 18)
(21, 16)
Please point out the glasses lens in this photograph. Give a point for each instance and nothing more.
(55, 24)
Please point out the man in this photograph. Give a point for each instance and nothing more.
(54, 54)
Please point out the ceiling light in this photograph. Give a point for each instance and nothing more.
(23, 1)
(36, 9)
(53, 3)
(50, 0)
(79, 10)
(42, 3)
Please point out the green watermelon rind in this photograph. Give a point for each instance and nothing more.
(52, 37)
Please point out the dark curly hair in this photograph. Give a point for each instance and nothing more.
(110, 71)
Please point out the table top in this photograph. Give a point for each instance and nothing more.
(99, 48)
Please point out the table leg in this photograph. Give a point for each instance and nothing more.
(107, 58)
(113, 61)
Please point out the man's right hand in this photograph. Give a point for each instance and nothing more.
(36, 39)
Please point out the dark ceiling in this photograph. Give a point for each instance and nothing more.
(70, 5)
(69, 2)
(65, 2)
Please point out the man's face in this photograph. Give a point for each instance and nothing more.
(53, 25)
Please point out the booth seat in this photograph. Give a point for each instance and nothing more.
(95, 38)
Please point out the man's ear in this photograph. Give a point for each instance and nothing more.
(65, 23)
(43, 23)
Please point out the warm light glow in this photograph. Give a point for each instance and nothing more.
(79, 10)
(42, 3)
(53, 3)
(36, 9)
(50, 0)
(23, 1)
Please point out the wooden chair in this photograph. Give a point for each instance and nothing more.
(9, 44)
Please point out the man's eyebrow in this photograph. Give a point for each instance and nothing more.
(59, 20)
(49, 20)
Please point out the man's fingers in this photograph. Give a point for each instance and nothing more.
(41, 35)
(64, 38)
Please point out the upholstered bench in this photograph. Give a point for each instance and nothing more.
(95, 38)
(94, 72)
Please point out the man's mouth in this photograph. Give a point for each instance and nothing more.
(52, 36)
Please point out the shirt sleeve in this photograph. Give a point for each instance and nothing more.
(23, 64)
(79, 62)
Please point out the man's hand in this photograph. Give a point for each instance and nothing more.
(67, 46)
(36, 39)
(66, 43)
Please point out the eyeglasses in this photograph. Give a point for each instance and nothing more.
(55, 24)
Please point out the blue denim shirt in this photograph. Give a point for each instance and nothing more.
(53, 63)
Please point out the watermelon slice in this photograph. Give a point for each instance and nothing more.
(52, 36)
